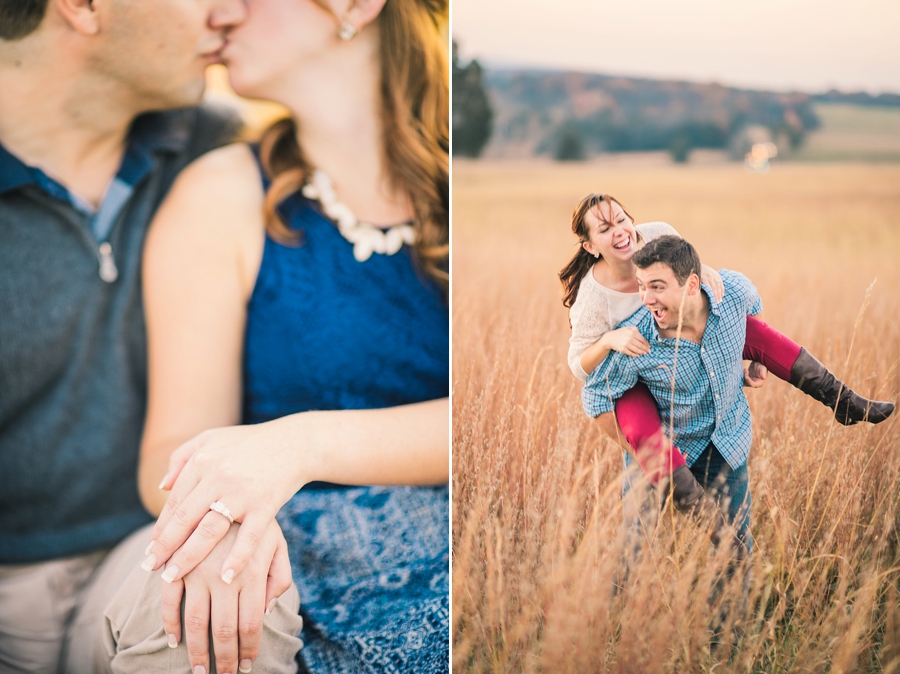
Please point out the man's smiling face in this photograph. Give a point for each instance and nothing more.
(662, 294)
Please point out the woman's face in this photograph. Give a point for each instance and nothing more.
(610, 232)
(278, 36)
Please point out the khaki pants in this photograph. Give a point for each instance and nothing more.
(101, 613)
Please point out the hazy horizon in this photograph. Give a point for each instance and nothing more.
(783, 45)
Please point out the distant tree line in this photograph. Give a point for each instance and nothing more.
(577, 138)
(859, 98)
(472, 113)
(600, 133)
(571, 116)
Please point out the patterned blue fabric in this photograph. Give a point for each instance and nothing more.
(372, 567)
(327, 332)
(708, 404)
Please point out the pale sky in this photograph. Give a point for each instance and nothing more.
(805, 45)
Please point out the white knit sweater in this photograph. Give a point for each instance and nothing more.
(598, 309)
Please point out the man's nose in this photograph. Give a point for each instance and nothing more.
(228, 13)
(648, 298)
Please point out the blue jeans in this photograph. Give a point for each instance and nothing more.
(730, 487)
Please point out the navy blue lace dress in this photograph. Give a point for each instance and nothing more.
(325, 332)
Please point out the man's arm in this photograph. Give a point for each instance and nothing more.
(615, 375)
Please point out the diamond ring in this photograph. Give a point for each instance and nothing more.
(222, 509)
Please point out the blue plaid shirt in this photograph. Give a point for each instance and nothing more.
(705, 402)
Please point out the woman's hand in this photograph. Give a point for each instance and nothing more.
(627, 340)
(711, 278)
(232, 613)
(254, 470)
(246, 468)
(755, 374)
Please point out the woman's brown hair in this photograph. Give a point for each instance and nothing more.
(581, 263)
(416, 101)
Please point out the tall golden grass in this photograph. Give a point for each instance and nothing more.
(536, 488)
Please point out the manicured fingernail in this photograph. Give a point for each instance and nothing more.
(198, 669)
(150, 563)
(245, 666)
(165, 477)
(228, 576)
(271, 606)
(169, 575)
(173, 642)
(149, 547)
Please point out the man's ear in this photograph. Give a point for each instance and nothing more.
(693, 284)
(81, 15)
(363, 12)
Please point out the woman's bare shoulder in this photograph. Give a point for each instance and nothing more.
(221, 191)
(212, 219)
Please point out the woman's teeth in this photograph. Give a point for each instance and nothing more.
(624, 244)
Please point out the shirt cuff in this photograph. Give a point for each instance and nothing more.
(596, 403)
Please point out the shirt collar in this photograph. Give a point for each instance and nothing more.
(151, 132)
(13, 173)
(715, 308)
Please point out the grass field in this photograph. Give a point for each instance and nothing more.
(536, 489)
(853, 132)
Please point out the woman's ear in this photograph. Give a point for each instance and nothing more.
(82, 15)
(363, 12)
(588, 246)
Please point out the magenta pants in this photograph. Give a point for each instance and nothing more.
(639, 419)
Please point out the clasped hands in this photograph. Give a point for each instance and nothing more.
(229, 574)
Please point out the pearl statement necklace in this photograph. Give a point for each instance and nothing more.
(366, 238)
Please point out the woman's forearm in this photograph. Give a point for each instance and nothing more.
(405, 445)
(595, 354)
(152, 468)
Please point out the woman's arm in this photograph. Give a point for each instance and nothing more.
(200, 263)
(627, 340)
(593, 337)
(589, 318)
(255, 469)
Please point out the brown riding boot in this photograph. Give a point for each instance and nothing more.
(689, 498)
(814, 379)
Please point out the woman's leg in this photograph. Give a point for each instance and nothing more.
(639, 420)
(665, 467)
(766, 345)
(789, 361)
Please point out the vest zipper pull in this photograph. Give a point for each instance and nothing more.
(108, 270)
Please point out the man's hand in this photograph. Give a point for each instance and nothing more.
(232, 613)
(755, 374)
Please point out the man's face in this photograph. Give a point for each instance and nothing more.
(662, 295)
(158, 50)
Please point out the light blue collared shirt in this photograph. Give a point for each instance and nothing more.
(698, 388)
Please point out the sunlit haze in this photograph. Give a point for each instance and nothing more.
(805, 45)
